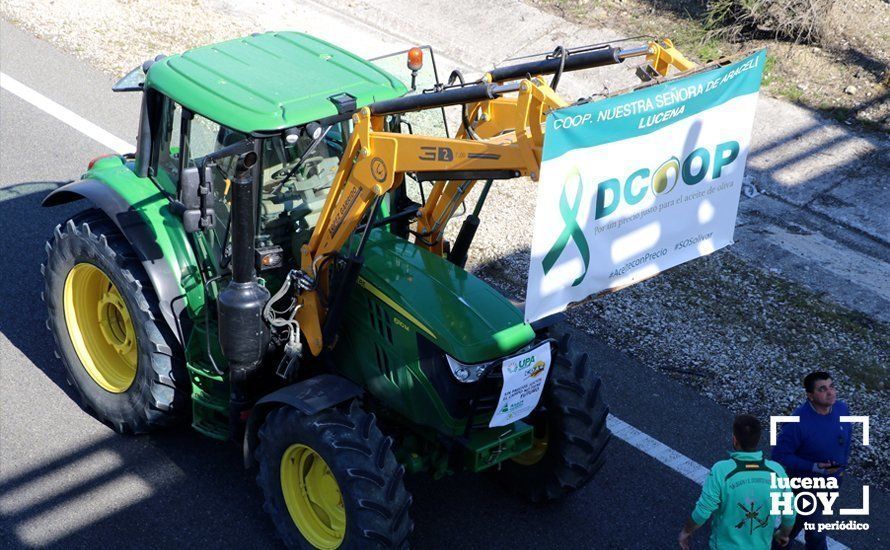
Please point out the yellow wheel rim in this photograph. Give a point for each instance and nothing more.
(100, 328)
(313, 497)
(535, 454)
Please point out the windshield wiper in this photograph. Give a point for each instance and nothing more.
(237, 148)
(302, 159)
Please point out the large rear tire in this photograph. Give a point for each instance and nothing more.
(102, 309)
(331, 480)
(570, 433)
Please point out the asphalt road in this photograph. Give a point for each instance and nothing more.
(68, 481)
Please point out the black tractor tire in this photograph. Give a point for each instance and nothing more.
(159, 393)
(572, 422)
(359, 457)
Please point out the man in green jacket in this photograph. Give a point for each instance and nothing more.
(736, 496)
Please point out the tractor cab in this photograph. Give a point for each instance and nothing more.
(206, 100)
(251, 90)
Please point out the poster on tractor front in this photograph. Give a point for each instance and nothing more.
(637, 183)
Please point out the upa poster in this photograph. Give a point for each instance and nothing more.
(638, 183)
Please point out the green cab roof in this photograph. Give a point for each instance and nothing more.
(269, 81)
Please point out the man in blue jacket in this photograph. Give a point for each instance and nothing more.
(816, 446)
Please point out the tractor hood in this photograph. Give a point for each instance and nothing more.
(455, 310)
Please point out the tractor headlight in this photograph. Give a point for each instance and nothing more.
(467, 374)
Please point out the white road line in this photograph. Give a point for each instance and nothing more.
(675, 460)
(77, 122)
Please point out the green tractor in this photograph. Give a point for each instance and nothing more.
(270, 266)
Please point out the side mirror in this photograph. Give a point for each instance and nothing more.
(194, 193)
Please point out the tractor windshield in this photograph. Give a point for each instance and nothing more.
(297, 174)
(298, 168)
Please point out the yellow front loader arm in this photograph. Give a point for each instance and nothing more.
(495, 121)
(374, 162)
(506, 137)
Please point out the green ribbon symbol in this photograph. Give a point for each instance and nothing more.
(572, 229)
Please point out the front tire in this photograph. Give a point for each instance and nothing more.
(102, 315)
(330, 480)
(570, 433)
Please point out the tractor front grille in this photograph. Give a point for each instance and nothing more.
(382, 323)
(458, 398)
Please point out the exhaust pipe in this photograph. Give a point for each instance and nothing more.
(243, 334)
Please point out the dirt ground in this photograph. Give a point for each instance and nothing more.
(144, 30)
(846, 76)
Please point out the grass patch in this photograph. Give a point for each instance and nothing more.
(840, 114)
(769, 68)
(791, 92)
(799, 21)
(817, 47)
(871, 374)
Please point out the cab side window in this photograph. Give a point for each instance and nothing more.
(202, 137)
(165, 164)
(181, 138)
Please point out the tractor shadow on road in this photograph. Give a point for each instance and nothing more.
(162, 490)
(78, 484)
(177, 489)
(23, 316)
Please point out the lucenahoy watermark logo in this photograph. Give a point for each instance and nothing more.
(811, 494)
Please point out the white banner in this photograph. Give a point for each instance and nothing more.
(524, 378)
(638, 183)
